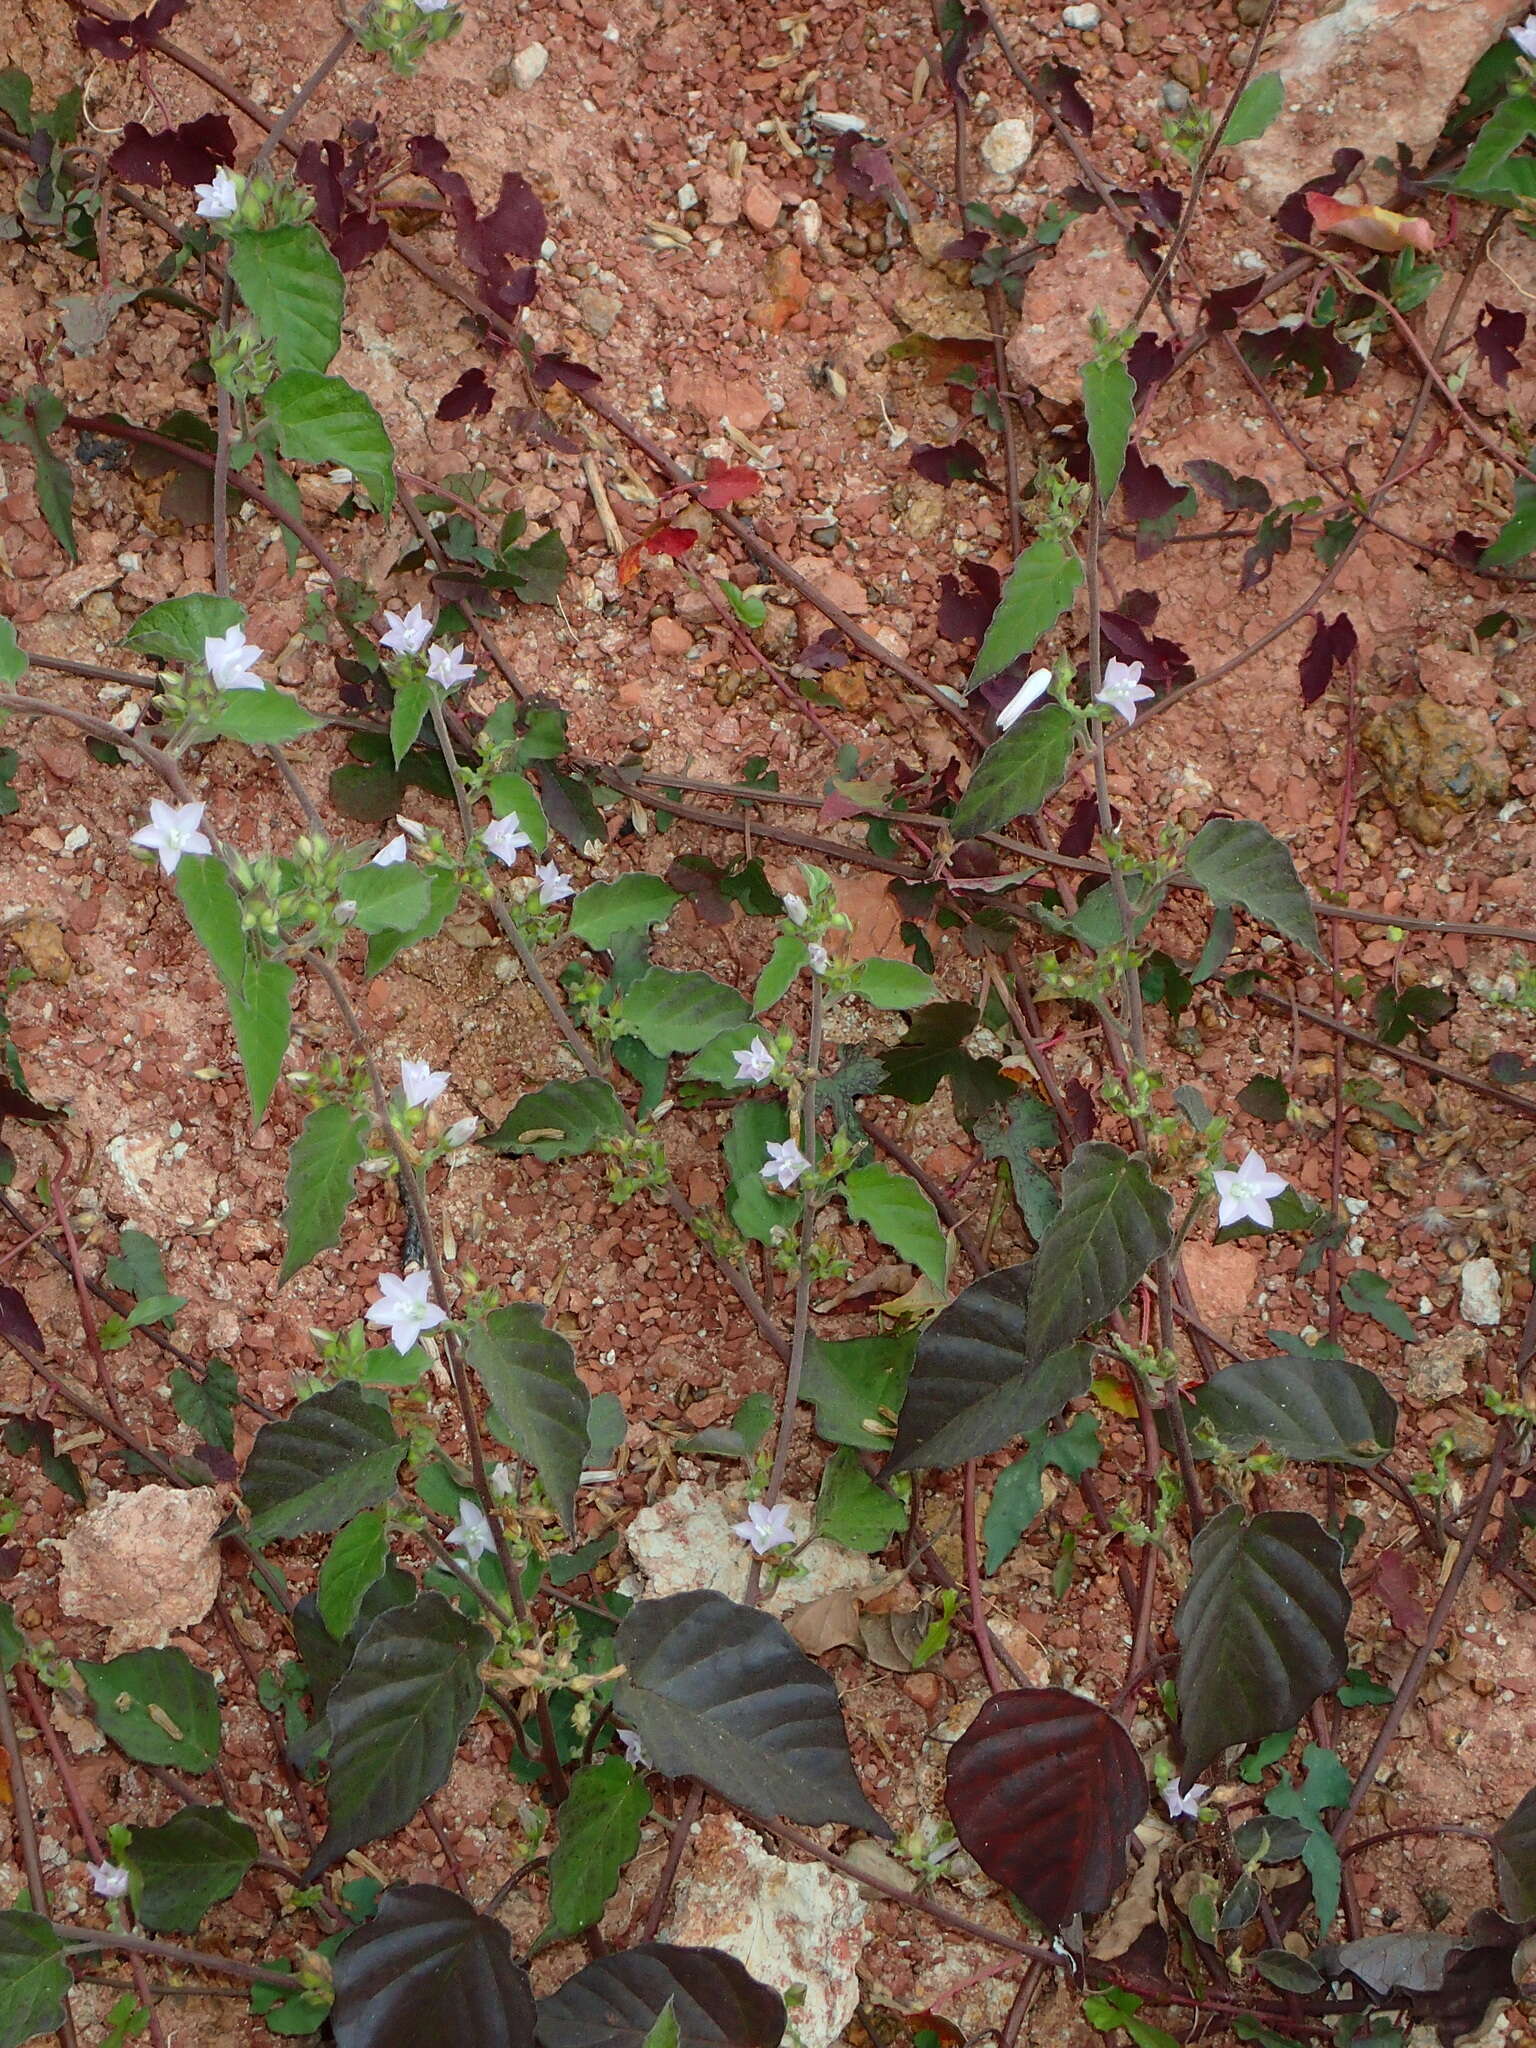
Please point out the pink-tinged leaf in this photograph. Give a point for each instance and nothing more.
(866, 173)
(1331, 647)
(725, 483)
(629, 563)
(670, 540)
(1497, 338)
(1293, 217)
(469, 399)
(1044, 1789)
(1373, 227)
(18, 1325)
(967, 33)
(120, 40)
(955, 463)
(553, 368)
(187, 155)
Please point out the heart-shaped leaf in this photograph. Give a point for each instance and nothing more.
(1238, 861)
(1260, 1628)
(1515, 1854)
(616, 2001)
(325, 1156)
(1044, 1788)
(1113, 1222)
(334, 1455)
(34, 1978)
(599, 1828)
(974, 1387)
(670, 1012)
(395, 1720)
(1321, 1410)
(156, 1706)
(564, 1120)
(719, 1692)
(429, 1969)
(196, 1858)
(540, 1404)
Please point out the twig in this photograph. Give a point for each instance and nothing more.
(26, 1830)
(605, 519)
(982, 1633)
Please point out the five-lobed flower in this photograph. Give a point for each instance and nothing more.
(1122, 689)
(407, 635)
(172, 831)
(472, 1532)
(109, 1880)
(554, 887)
(219, 199)
(765, 1529)
(419, 1084)
(754, 1063)
(785, 1163)
(505, 838)
(1183, 1805)
(1523, 35)
(1246, 1195)
(405, 1308)
(447, 667)
(230, 658)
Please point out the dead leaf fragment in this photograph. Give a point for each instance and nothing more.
(144, 1564)
(1373, 227)
(830, 1623)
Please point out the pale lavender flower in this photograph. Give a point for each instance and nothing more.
(795, 909)
(1030, 691)
(634, 1752)
(765, 1529)
(1183, 1805)
(506, 839)
(553, 886)
(818, 956)
(407, 635)
(1523, 36)
(1122, 689)
(391, 853)
(1247, 1194)
(172, 831)
(220, 198)
(471, 1533)
(447, 668)
(756, 1063)
(419, 1084)
(785, 1163)
(109, 1880)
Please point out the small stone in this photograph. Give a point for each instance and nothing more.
(805, 225)
(722, 199)
(529, 66)
(76, 839)
(761, 206)
(1084, 17)
(687, 198)
(845, 591)
(144, 1563)
(1175, 96)
(1437, 1371)
(1006, 148)
(1482, 1298)
(1221, 1279)
(598, 311)
(40, 943)
(668, 637)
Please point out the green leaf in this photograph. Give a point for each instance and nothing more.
(33, 1979)
(564, 1120)
(292, 288)
(13, 1644)
(325, 1156)
(1369, 1295)
(442, 902)
(620, 2000)
(1512, 122)
(175, 630)
(901, 1216)
(1012, 1132)
(412, 700)
(13, 663)
(670, 1012)
(395, 1719)
(27, 422)
(1114, 1221)
(157, 1707)
(1324, 1411)
(855, 1381)
(1517, 536)
(788, 958)
(539, 1402)
(1017, 773)
(1019, 1495)
(324, 420)
(755, 1209)
(263, 1022)
(1263, 97)
(355, 1560)
(207, 1405)
(1236, 860)
(599, 1830)
(336, 1454)
(1109, 400)
(716, 1064)
(186, 1865)
(611, 910)
(975, 1385)
(893, 984)
(855, 1510)
(213, 910)
(1040, 586)
(664, 2033)
(1327, 1784)
(261, 718)
(514, 796)
(1260, 1628)
(392, 899)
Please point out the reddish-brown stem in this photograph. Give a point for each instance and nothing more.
(973, 1579)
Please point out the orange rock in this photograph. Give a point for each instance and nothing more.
(788, 290)
(670, 638)
(1221, 1278)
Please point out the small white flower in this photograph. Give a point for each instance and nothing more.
(109, 1880)
(765, 1529)
(755, 1064)
(1523, 36)
(785, 1163)
(1247, 1194)
(819, 957)
(448, 669)
(471, 1533)
(459, 1134)
(1183, 1805)
(408, 635)
(419, 1084)
(1030, 691)
(172, 831)
(506, 839)
(404, 1308)
(433, 6)
(1122, 689)
(230, 658)
(391, 853)
(634, 1752)
(218, 199)
(346, 910)
(503, 1485)
(553, 886)
(795, 909)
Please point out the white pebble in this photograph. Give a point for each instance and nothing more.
(1005, 149)
(1086, 16)
(805, 224)
(686, 197)
(1482, 1299)
(76, 839)
(529, 66)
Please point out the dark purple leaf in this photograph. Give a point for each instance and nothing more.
(1331, 647)
(1145, 490)
(18, 1326)
(1294, 218)
(866, 173)
(11, 1555)
(1161, 204)
(1272, 540)
(187, 155)
(553, 368)
(1221, 309)
(1141, 607)
(958, 462)
(617, 2000)
(469, 399)
(18, 1103)
(1077, 833)
(825, 651)
(335, 175)
(1144, 250)
(359, 237)
(218, 1462)
(1058, 83)
(966, 248)
(697, 877)
(1467, 549)
(968, 30)
(120, 40)
(1044, 1789)
(1511, 1069)
(1232, 493)
(1497, 337)
(429, 1968)
(515, 227)
(966, 614)
(1164, 662)
(1149, 361)
(1080, 1109)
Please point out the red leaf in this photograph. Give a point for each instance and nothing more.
(18, 1325)
(469, 399)
(1393, 1584)
(669, 540)
(723, 484)
(1331, 647)
(1497, 337)
(1043, 1789)
(629, 563)
(1294, 217)
(187, 155)
(120, 40)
